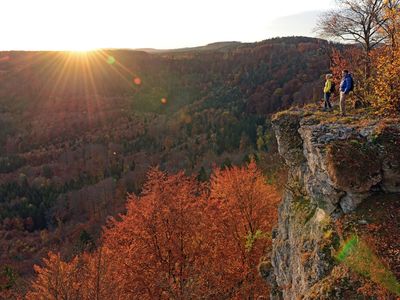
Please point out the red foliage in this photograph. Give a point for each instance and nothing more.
(158, 244)
(243, 209)
(178, 240)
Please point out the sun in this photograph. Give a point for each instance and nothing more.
(79, 45)
(80, 49)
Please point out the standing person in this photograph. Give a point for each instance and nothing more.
(328, 89)
(346, 86)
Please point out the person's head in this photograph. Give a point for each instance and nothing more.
(345, 72)
(328, 76)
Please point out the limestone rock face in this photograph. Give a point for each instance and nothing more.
(333, 167)
(290, 145)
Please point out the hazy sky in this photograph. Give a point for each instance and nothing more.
(87, 24)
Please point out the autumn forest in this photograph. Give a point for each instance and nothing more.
(80, 132)
(155, 174)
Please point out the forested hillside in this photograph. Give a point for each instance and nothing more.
(78, 131)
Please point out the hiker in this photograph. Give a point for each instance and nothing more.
(328, 90)
(346, 86)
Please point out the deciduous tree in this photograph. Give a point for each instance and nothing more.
(179, 239)
(244, 210)
(357, 21)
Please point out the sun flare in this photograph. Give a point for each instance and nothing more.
(78, 44)
(80, 49)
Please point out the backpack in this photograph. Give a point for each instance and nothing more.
(333, 88)
(351, 84)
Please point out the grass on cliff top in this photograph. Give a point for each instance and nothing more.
(314, 113)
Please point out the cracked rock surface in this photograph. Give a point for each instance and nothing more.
(334, 166)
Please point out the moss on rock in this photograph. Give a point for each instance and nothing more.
(353, 165)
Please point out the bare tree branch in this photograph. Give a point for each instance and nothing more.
(355, 20)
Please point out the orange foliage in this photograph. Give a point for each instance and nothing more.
(244, 211)
(157, 245)
(56, 280)
(387, 64)
(387, 87)
(382, 89)
(351, 59)
(179, 239)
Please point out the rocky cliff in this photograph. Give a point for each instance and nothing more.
(340, 171)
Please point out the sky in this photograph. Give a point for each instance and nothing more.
(161, 24)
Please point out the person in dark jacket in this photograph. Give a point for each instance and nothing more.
(345, 88)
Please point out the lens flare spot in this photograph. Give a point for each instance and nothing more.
(347, 248)
(111, 60)
(164, 100)
(137, 81)
(357, 255)
(5, 58)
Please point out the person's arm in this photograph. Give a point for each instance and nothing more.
(348, 85)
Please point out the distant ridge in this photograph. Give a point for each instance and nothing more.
(229, 45)
(218, 46)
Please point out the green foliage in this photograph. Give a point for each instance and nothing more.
(226, 164)
(115, 169)
(6, 128)
(202, 176)
(11, 163)
(251, 239)
(24, 200)
(264, 137)
(260, 139)
(47, 172)
(229, 135)
(8, 277)
(86, 242)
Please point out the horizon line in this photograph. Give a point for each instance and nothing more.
(160, 49)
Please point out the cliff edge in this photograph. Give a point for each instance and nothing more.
(338, 231)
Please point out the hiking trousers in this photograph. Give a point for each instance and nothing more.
(327, 104)
(342, 103)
